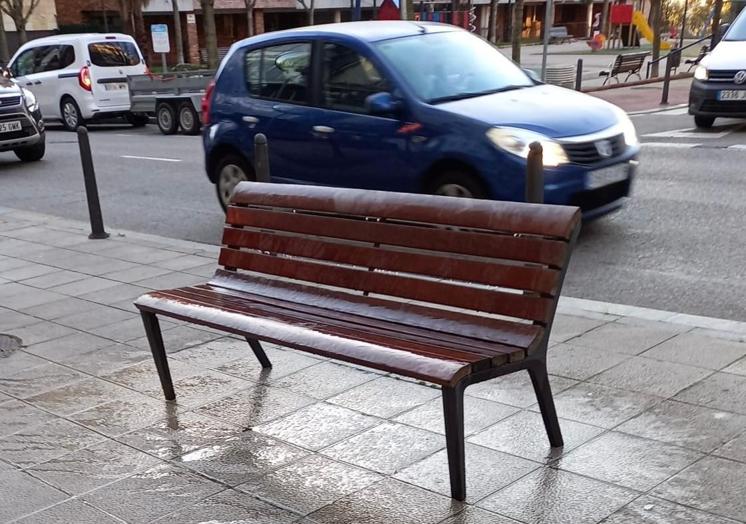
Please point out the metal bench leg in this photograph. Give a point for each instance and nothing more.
(153, 332)
(453, 411)
(261, 356)
(540, 380)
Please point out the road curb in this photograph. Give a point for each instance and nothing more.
(659, 109)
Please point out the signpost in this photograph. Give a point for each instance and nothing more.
(159, 34)
(548, 17)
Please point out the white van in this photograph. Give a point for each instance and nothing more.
(80, 77)
(719, 85)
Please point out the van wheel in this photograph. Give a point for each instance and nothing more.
(188, 119)
(166, 118)
(457, 184)
(31, 153)
(70, 111)
(231, 169)
(704, 122)
(137, 119)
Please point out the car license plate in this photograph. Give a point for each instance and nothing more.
(607, 175)
(732, 94)
(9, 127)
(115, 86)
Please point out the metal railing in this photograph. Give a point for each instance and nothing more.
(673, 51)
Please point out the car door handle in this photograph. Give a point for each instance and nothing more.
(29, 83)
(323, 129)
(38, 82)
(250, 119)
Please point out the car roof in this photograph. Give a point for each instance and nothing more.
(59, 39)
(372, 31)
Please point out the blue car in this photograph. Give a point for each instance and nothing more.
(413, 107)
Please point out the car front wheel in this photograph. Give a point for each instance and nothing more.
(71, 117)
(231, 170)
(457, 184)
(704, 122)
(31, 153)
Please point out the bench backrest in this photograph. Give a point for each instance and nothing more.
(628, 63)
(502, 258)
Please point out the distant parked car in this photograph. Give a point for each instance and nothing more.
(80, 77)
(21, 125)
(407, 106)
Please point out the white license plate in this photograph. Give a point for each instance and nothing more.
(607, 175)
(732, 94)
(9, 127)
(115, 86)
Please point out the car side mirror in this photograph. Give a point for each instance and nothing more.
(382, 104)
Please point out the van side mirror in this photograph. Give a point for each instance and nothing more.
(533, 75)
(382, 104)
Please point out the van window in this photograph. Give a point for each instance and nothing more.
(348, 79)
(279, 72)
(53, 57)
(737, 29)
(24, 64)
(113, 54)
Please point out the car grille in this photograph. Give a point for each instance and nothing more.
(8, 101)
(722, 76)
(715, 106)
(586, 153)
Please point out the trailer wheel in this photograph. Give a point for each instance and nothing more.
(166, 118)
(188, 119)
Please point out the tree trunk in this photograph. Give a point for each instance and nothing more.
(4, 53)
(716, 14)
(141, 35)
(515, 38)
(124, 14)
(211, 36)
(605, 15)
(311, 12)
(20, 24)
(656, 12)
(249, 18)
(177, 33)
(492, 27)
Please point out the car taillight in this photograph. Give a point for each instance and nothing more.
(84, 78)
(206, 102)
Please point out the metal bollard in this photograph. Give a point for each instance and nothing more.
(579, 74)
(261, 158)
(91, 189)
(667, 79)
(535, 174)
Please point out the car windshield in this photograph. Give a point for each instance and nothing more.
(113, 54)
(737, 31)
(454, 65)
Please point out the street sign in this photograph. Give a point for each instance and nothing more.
(191, 19)
(159, 34)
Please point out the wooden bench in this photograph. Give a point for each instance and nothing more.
(559, 34)
(630, 63)
(693, 62)
(446, 290)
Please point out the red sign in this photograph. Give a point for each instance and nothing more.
(621, 14)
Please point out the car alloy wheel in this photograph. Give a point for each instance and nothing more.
(228, 178)
(454, 190)
(71, 115)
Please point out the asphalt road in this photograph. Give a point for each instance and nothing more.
(678, 244)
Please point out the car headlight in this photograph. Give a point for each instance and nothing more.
(516, 141)
(701, 73)
(30, 100)
(628, 128)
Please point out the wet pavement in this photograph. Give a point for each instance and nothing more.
(652, 407)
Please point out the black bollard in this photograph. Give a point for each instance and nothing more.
(535, 174)
(579, 74)
(261, 158)
(91, 189)
(667, 79)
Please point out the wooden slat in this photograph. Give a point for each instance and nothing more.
(542, 280)
(535, 219)
(496, 302)
(524, 249)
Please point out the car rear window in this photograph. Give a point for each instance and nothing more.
(113, 54)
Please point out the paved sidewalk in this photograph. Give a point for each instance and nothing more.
(653, 408)
(647, 97)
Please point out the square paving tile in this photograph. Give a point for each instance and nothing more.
(241, 458)
(698, 350)
(255, 405)
(19, 362)
(387, 448)
(179, 434)
(515, 389)
(566, 327)
(216, 353)
(45, 442)
(478, 414)
(230, 507)
(108, 359)
(135, 273)
(310, 483)
(178, 338)
(63, 307)
(391, 502)
(385, 397)
(651, 510)
(487, 471)
(80, 395)
(143, 376)
(719, 391)
(128, 329)
(16, 415)
(523, 434)
(72, 510)
(628, 461)
(29, 270)
(153, 493)
(737, 368)
(474, 515)
(712, 484)
(114, 294)
(325, 380)
(122, 416)
(617, 337)
(68, 347)
(579, 362)
(58, 278)
(735, 449)
(10, 320)
(82, 287)
(600, 406)
(283, 363)
(549, 496)
(653, 377)
(318, 426)
(41, 332)
(93, 467)
(29, 297)
(686, 425)
(38, 379)
(27, 495)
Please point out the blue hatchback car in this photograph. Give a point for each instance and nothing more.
(414, 107)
